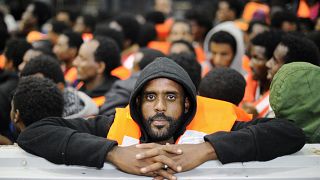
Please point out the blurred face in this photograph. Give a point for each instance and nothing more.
(162, 106)
(79, 26)
(221, 54)
(163, 6)
(180, 31)
(62, 50)
(64, 17)
(179, 48)
(317, 26)
(224, 13)
(275, 63)
(27, 57)
(258, 62)
(85, 63)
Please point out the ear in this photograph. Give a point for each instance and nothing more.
(16, 118)
(101, 67)
(60, 86)
(186, 105)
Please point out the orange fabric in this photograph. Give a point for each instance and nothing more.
(252, 7)
(121, 72)
(163, 30)
(87, 36)
(2, 61)
(246, 63)
(162, 46)
(201, 55)
(303, 10)
(35, 36)
(243, 25)
(99, 101)
(211, 116)
(261, 104)
(71, 75)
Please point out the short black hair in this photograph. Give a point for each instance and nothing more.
(89, 21)
(72, 13)
(46, 65)
(200, 17)
(42, 12)
(190, 64)
(4, 34)
(148, 56)
(224, 84)
(280, 17)
(74, 39)
(300, 49)
(186, 43)
(15, 50)
(155, 17)
(147, 34)
(107, 52)
(130, 27)
(59, 27)
(269, 40)
(235, 5)
(314, 37)
(224, 37)
(37, 98)
(105, 30)
(44, 46)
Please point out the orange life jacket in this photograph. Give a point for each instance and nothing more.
(121, 72)
(211, 116)
(71, 75)
(262, 104)
(99, 101)
(2, 61)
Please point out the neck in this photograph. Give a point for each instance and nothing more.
(264, 86)
(90, 85)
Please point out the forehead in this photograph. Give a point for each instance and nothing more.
(258, 50)
(89, 47)
(180, 26)
(220, 46)
(163, 85)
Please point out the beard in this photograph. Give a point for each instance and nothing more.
(161, 133)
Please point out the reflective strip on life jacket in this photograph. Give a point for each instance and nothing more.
(262, 104)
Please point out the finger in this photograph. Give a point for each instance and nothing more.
(169, 162)
(146, 145)
(166, 174)
(172, 149)
(153, 167)
(148, 154)
(158, 178)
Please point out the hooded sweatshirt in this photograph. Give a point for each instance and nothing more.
(163, 68)
(294, 95)
(233, 30)
(83, 142)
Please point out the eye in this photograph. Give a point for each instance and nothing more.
(171, 97)
(150, 97)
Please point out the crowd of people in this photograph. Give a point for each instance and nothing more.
(146, 91)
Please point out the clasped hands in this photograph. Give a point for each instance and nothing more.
(151, 159)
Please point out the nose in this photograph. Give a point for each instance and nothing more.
(160, 105)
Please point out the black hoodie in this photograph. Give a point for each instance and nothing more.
(163, 68)
(75, 141)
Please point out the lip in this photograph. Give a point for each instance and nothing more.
(159, 123)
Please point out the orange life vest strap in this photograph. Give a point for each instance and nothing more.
(71, 75)
(99, 101)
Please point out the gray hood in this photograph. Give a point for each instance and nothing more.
(163, 68)
(232, 29)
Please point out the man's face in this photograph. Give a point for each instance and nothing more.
(162, 106)
(258, 62)
(224, 13)
(62, 50)
(79, 26)
(275, 63)
(221, 54)
(31, 53)
(85, 63)
(180, 31)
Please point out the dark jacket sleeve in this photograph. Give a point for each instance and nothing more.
(71, 142)
(257, 140)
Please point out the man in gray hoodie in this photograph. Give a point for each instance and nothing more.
(162, 109)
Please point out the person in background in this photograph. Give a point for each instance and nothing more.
(76, 104)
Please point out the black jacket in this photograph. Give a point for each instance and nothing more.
(101, 89)
(75, 142)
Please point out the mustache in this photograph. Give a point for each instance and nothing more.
(159, 116)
